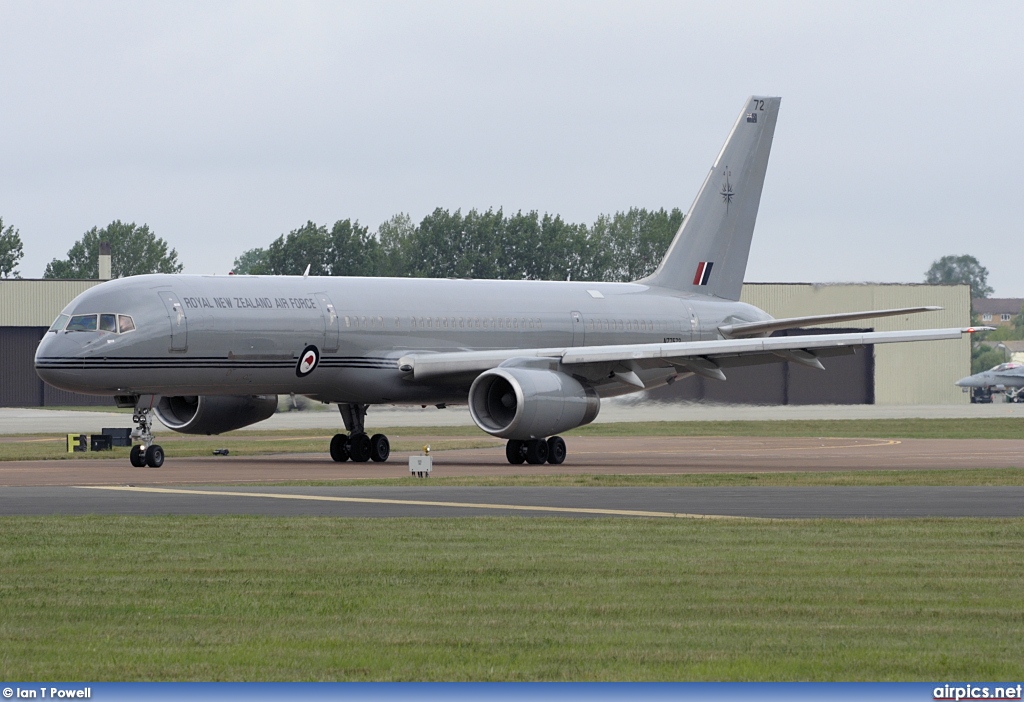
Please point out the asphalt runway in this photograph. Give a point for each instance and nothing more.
(443, 501)
(218, 485)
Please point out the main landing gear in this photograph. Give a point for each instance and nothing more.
(148, 454)
(356, 445)
(536, 451)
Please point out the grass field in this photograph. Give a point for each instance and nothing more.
(255, 598)
(248, 598)
(44, 447)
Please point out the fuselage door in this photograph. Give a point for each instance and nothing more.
(332, 325)
(178, 320)
(578, 332)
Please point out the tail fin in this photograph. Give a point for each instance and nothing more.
(708, 255)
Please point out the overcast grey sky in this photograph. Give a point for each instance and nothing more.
(223, 125)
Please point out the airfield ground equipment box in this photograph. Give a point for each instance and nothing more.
(420, 466)
(119, 437)
(101, 442)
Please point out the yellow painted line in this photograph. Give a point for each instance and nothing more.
(416, 503)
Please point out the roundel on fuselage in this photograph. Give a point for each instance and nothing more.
(308, 361)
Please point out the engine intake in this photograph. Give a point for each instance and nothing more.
(213, 414)
(529, 403)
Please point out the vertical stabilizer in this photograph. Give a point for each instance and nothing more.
(708, 255)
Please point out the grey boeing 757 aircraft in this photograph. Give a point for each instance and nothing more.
(208, 354)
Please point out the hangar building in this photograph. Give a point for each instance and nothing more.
(920, 373)
(891, 374)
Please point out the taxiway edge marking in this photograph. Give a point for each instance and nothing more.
(418, 503)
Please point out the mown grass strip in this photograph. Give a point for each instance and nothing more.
(252, 598)
(38, 447)
(260, 442)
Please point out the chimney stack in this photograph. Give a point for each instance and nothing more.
(104, 260)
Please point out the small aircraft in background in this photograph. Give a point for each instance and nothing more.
(208, 354)
(1006, 377)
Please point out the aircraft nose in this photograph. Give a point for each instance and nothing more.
(971, 381)
(55, 362)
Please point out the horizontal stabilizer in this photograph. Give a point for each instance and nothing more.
(735, 331)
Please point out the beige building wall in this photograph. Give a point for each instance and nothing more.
(919, 373)
(36, 303)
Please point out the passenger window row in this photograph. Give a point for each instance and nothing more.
(504, 323)
(491, 323)
(641, 325)
(366, 322)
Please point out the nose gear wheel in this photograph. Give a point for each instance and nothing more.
(145, 452)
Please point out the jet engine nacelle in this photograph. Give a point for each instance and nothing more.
(213, 414)
(529, 403)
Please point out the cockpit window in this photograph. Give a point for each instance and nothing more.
(108, 322)
(58, 324)
(82, 322)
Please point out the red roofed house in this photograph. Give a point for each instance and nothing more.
(996, 311)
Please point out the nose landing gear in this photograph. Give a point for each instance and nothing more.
(148, 453)
(356, 445)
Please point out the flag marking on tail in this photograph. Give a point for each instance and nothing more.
(703, 274)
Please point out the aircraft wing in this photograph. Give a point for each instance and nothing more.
(752, 328)
(703, 357)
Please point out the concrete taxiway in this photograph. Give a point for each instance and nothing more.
(182, 485)
(587, 455)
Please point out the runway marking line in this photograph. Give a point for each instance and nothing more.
(419, 503)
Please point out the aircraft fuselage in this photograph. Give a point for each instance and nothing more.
(223, 335)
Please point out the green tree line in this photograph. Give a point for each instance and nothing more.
(134, 249)
(489, 244)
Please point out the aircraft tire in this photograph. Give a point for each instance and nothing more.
(556, 450)
(380, 448)
(514, 451)
(137, 457)
(359, 448)
(155, 456)
(339, 448)
(536, 451)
